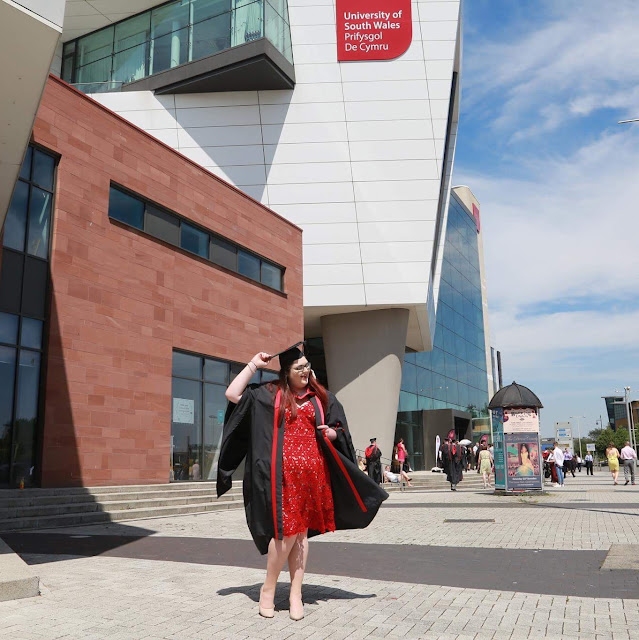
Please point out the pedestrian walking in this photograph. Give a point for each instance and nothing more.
(301, 476)
(373, 462)
(628, 457)
(568, 462)
(453, 461)
(485, 462)
(612, 455)
(402, 454)
(589, 463)
(558, 459)
(579, 463)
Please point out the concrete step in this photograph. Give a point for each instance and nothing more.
(100, 517)
(127, 503)
(24, 499)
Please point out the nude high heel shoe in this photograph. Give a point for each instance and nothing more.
(266, 612)
(296, 612)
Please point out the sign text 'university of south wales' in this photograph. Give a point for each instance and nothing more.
(373, 29)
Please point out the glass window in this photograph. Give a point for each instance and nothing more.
(409, 378)
(424, 382)
(269, 376)
(423, 359)
(39, 218)
(96, 72)
(186, 429)
(126, 208)
(186, 365)
(16, 221)
(11, 281)
(439, 387)
(248, 265)
(26, 417)
(450, 366)
(132, 32)
(247, 23)
(194, 240)
(169, 51)
(34, 288)
(407, 401)
(130, 65)
(424, 403)
(437, 359)
(214, 409)
(452, 396)
(223, 253)
(169, 18)
(271, 276)
(216, 371)
(235, 369)
(162, 225)
(8, 328)
(449, 340)
(68, 57)
(31, 333)
(210, 36)
(43, 170)
(7, 381)
(95, 46)
(25, 170)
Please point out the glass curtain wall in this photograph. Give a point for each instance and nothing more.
(170, 35)
(197, 413)
(453, 375)
(23, 293)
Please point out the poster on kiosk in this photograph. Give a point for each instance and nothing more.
(524, 467)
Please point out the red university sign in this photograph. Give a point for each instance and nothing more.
(373, 29)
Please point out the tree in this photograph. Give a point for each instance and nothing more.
(618, 438)
(594, 434)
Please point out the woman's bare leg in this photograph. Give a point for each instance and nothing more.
(297, 565)
(278, 552)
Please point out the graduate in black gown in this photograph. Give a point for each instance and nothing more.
(373, 461)
(256, 421)
(452, 459)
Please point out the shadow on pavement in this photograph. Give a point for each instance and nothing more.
(313, 593)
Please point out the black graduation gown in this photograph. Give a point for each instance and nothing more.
(452, 463)
(374, 465)
(251, 432)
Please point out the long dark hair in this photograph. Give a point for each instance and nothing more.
(288, 397)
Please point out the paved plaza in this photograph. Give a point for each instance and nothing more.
(434, 564)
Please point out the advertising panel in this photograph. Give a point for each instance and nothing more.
(373, 29)
(563, 433)
(523, 461)
(524, 420)
(590, 447)
(498, 453)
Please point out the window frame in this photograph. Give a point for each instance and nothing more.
(211, 236)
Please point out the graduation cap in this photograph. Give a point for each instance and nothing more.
(289, 355)
(373, 440)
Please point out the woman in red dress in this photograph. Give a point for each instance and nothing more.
(307, 501)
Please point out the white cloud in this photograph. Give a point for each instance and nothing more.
(581, 58)
(568, 230)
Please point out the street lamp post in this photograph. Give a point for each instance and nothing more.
(578, 418)
(631, 429)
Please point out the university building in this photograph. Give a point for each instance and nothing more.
(239, 176)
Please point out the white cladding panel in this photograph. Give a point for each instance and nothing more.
(353, 154)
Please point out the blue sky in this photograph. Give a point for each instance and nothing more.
(543, 86)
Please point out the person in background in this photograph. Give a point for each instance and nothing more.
(485, 462)
(558, 459)
(389, 476)
(628, 457)
(361, 464)
(373, 463)
(589, 463)
(579, 462)
(568, 462)
(612, 455)
(475, 454)
(401, 454)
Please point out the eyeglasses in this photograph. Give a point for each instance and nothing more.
(302, 368)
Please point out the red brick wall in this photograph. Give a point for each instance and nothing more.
(122, 301)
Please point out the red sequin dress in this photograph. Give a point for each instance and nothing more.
(307, 502)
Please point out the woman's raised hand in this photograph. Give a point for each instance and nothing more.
(261, 360)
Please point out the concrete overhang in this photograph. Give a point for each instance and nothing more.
(419, 335)
(27, 46)
(253, 66)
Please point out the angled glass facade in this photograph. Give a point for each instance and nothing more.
(453, 375)
(169, 35)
